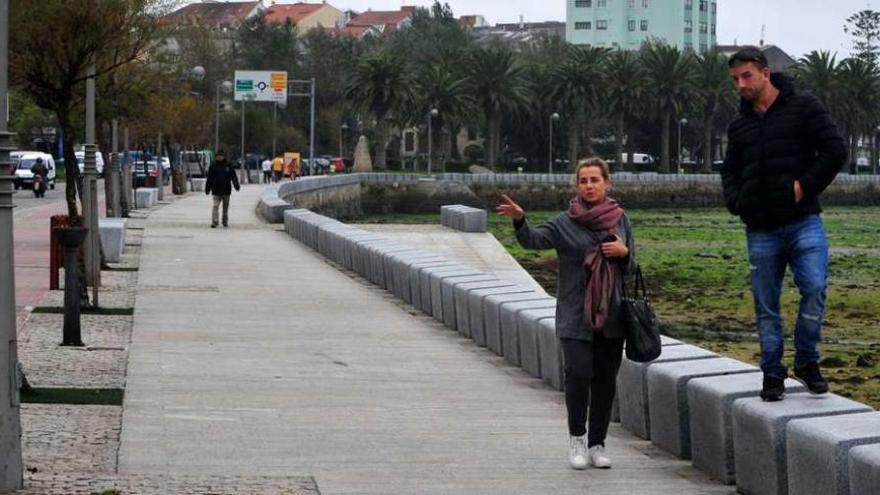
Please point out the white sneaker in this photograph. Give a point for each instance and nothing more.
(598, 459)
(577, 456)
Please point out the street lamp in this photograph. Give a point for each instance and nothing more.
(433, 113)
(681, 122)
(227, 87)
(553, 118)
(278, 104)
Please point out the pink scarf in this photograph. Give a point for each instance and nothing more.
(603, 219)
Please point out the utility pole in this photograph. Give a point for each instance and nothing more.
(10, 414)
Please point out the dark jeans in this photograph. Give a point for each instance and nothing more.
(802, 245)
(591, 369)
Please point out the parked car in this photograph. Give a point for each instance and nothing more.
(23, 161)
(196, 163)
(99, 161)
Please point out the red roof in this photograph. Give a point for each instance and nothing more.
(213, 13)
(295, 12)
(385, 18)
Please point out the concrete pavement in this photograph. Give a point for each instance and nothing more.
(251, 355)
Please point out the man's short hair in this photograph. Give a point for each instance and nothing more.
(749, 54)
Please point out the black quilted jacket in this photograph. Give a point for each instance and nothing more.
(794, 140)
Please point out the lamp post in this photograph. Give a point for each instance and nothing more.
(433, 113)
(10, 423)
(227, 87)
(876, 152)
(681, 122)
(553, 118)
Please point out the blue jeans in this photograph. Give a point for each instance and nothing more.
(802, 245)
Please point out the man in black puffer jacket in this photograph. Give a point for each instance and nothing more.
(783, 151)
(221, 180)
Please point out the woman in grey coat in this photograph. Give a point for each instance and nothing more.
(594, 243)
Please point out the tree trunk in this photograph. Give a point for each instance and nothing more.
(493, 123)
(381, 142)
(573, 133)
(588, 135)
(664, 143)
(71, 169)
(853, 154)
(707, 145)
(618, 141)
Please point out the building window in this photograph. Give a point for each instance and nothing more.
(644, 4)
(688, 4)
(688, 46)
(704, 48)
(714, 8)
(631, 25)
(632, 4)
(644, 25)
(704, 28)
(601, 3)
(601, 25)
(583, 4)
(409, 142)
(688, 26)
(713, 28)
(580, 26)
(704, 5)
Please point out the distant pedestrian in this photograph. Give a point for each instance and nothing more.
(277, 168)
(594, 243)
(266, 166)
(783, 151)
(221, 179)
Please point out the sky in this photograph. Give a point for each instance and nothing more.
(796, 26)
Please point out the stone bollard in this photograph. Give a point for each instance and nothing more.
(71, 237)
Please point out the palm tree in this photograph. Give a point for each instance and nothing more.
(439, 86)
(670, 75)
(859, 90)
(576, 88)
(379, 85)
(625, 80)
(818, 71)
(500, 86)
(715, 94)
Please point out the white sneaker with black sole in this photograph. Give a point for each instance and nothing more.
(598, 459)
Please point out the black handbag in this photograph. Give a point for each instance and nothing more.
(640, 323)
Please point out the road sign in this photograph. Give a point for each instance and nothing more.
(253, 85)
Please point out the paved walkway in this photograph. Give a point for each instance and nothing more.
(251, 355)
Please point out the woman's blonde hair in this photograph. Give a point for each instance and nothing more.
(593, 161)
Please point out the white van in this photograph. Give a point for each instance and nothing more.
(81, 158)
(24, 160)
(638, 159)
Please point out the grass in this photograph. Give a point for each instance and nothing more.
(76, 396)
(695, 264)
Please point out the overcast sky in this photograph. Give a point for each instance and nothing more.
(796, 26)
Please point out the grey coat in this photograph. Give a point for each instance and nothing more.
(571, 241)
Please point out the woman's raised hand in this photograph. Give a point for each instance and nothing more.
(509, 208)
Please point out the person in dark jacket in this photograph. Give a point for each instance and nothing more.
(594, 243)
(783, 151)
(221, 180)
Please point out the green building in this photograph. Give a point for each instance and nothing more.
(687, 24)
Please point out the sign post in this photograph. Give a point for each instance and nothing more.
(252, 85)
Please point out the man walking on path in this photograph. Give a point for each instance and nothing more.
(783, 151)
(267, 170)
(221, 180)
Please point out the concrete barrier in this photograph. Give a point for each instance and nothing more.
(112, 234)
(415, 270)
(428, 291)
(401, 264)
(146, 197)
(197, 184)
(632, 386)
(463, 218)
(818, 451)
(615, 405)
(462, 299)
(271, 207)
(492, 315)
(437, 292)
(552, 369)
(668, 402)
(759, 430)
(447, 295)
(710, 401)
(476, 304)
(528, 328)
(510, 322)
(864, 469)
